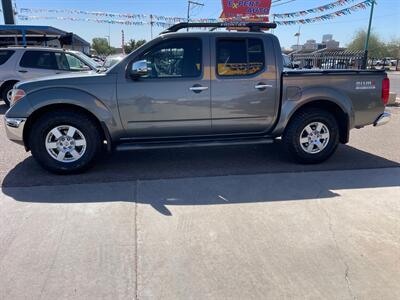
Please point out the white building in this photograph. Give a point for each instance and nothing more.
(310, 45)
(327, 37)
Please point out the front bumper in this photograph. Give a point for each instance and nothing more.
(383, 119)
(15, 129)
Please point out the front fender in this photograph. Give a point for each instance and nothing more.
(291, 103)
(72, 96)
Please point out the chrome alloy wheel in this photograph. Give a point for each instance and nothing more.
(314, 137)
(65, 143)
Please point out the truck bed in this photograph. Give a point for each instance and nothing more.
(359, 90)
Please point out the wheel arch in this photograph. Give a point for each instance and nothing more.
(35, 115)
(342, 117)
(7, 82)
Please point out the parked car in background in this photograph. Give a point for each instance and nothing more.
(97, 59)
(20, 64)
(111, 60)
(387, 62)
(88, 60)
(287, 63)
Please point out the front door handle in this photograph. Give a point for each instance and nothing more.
(262, 86)
(198, 88)
(23, 71)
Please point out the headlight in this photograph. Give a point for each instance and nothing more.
(17, 94)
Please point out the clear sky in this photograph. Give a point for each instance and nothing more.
(386, 20)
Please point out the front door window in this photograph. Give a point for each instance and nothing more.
(175, 59)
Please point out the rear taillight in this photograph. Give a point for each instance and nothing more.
(385, 90)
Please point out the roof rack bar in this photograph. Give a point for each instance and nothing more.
(254, 27)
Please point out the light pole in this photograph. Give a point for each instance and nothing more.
(188, 9)
(298, 38)
(8, 12)
(365, 60)
(109, 35)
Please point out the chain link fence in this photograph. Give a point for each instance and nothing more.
(328, 59)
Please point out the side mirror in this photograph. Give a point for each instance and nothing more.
(138, 69)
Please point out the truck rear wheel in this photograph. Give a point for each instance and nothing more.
(312, 136)
(65, 142)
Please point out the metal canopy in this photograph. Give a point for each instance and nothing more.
(36, 32)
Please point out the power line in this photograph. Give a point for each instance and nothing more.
(279, 4)
(195, 4)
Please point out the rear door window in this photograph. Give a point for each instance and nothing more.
(5, 55)
(39, 60)
(240, 57)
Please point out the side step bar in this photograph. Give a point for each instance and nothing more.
(191, 143)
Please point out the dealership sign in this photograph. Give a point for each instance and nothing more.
(246, 10)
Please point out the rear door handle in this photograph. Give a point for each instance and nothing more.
(23, 71)
(198, 89)
(261, 86)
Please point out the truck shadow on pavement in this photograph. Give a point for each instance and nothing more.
(201, 176)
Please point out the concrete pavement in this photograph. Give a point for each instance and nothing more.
(314, 235)
(178, 224)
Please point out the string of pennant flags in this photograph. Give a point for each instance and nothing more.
(163, 24)
(343, 12)
(130, 19)
(83, 12)
(26, 11)
(315, 10)
(74, 19)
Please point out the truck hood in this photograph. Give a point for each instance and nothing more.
(61, 76)
(67, 79)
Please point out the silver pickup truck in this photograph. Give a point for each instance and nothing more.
(194, 89)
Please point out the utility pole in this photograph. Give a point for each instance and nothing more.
(298, 38)
(273, 21)
(8, 12)
(151, 26)
(365, 60)
(188, 10)
(123, 42)
(109, 36)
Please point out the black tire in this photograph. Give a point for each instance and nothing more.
(4, 91)
(294, 130)
(43, 125)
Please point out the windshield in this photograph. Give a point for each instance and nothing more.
(111, 61)
(93, 64)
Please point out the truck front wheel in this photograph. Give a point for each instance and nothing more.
(65, 142)
(312, 136)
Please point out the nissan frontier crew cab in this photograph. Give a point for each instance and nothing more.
(195, 89)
